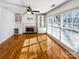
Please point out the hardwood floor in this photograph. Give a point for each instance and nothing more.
(32, 46)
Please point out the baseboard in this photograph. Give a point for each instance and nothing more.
(64, 46)
(7, 39)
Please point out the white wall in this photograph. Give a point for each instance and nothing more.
(6, 24)
(29, 22)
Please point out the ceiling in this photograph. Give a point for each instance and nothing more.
(42, 5)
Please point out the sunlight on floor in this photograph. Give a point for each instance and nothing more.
(34, 47)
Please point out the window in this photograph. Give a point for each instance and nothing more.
(68, 33)
(42, 24)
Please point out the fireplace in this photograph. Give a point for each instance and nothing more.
(30, 29)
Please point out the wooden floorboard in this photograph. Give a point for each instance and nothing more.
(32, 46)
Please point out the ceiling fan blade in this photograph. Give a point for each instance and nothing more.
(32, 12)
(35, 11)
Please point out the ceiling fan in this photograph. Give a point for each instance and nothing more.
(29, 9)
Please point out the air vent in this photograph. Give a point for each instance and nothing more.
(52, 5)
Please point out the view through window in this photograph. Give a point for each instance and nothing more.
(65, 27)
